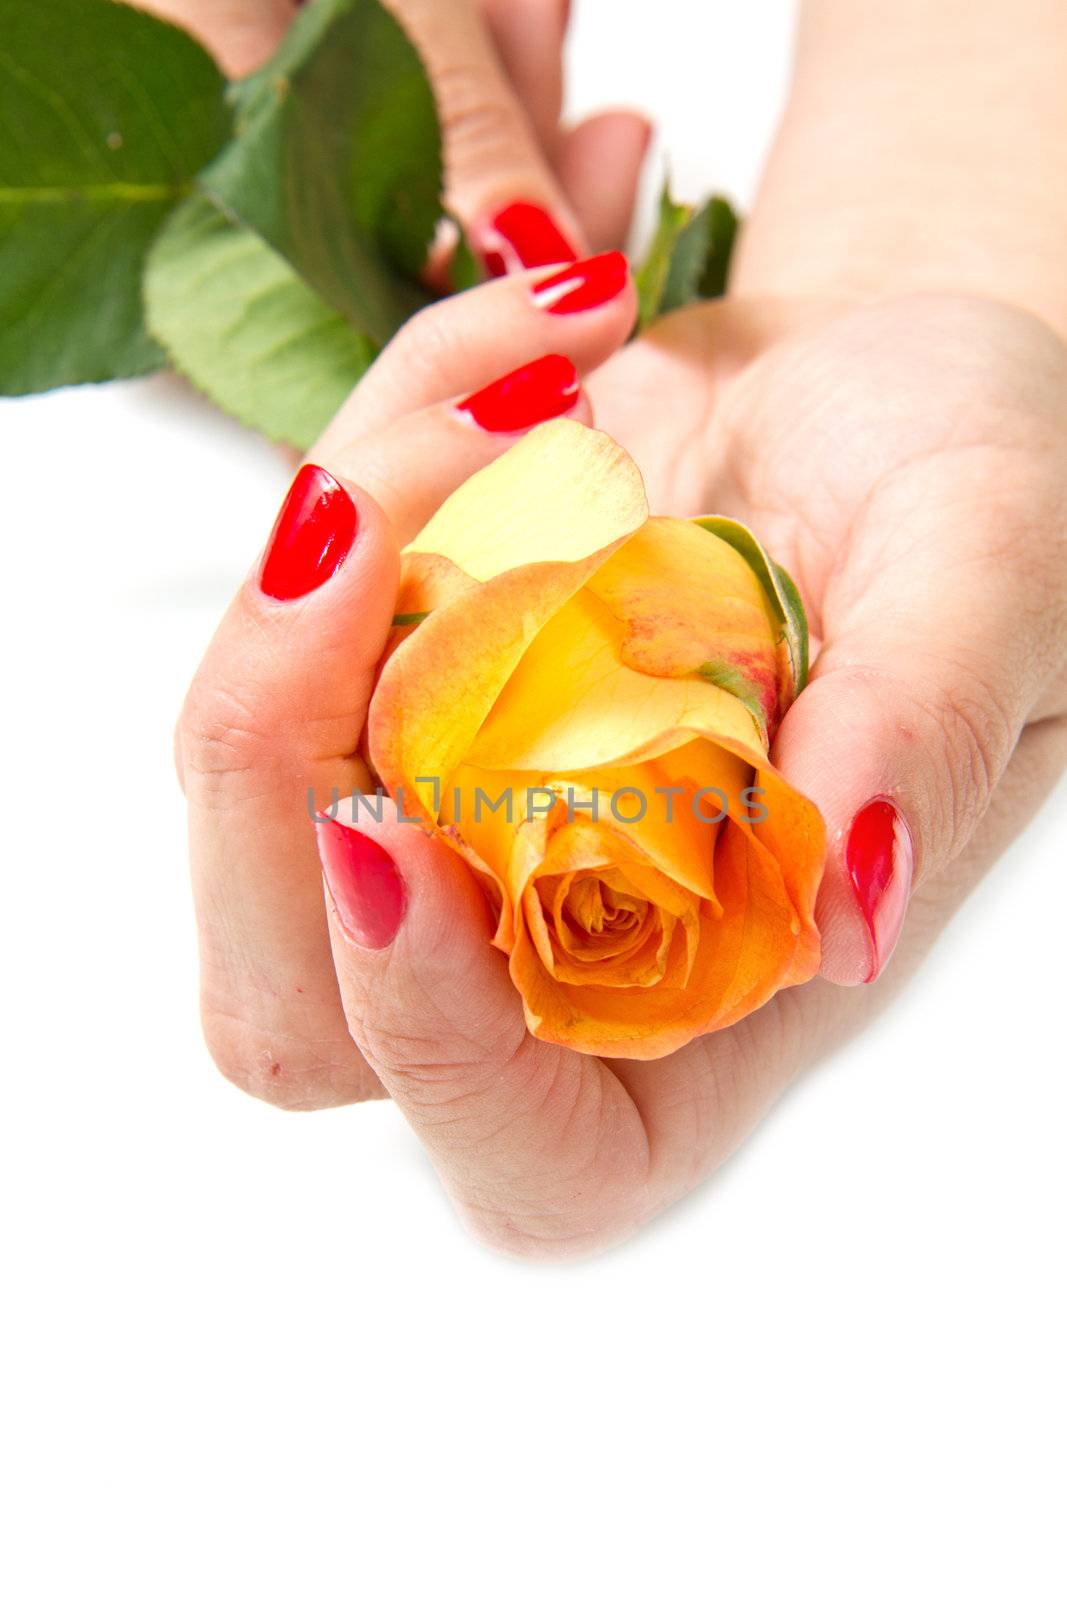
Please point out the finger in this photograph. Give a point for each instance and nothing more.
(468, 340)
(528, 38)
(277, 709)
(240, 34)
(454, 439)
(497, 180)
(615, 142)
(540, 1147)
(931, 670)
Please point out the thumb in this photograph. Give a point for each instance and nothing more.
(915, 706)
(538, 1145)
(497, 178)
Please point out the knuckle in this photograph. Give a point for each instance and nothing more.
(222, 735)
(437, 1063)
(977, 738)
(537, 1235)
(968, 734)
(426, 345)
(573, 1216)
(284, 1071)
(481, 122)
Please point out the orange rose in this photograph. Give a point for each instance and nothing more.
(580, 699)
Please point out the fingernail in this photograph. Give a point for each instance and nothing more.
(312, 535)
(584, 285)
(522, 235)
(534, 393)
(364, 881)
(880, 858)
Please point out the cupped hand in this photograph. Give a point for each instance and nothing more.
(531, 190)
(904, 461)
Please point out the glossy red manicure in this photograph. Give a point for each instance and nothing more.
(880, 858)
(584, 285)
(364, 881)
(313, 534)
(522, 235)
(534, 393)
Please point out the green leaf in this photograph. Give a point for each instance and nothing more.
(689, 256)
(106, 115)
(238, 322)
(337, 162)
(778, 586)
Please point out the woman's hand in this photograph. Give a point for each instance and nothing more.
(907, 462)
(530, 191)
(904, 460)
(278, 704)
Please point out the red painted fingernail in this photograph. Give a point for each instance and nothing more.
(880, 858)
(364, 881)
(534, 393)
(584, 285)
(521, 235)
(312, 535)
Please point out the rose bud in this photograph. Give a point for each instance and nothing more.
(580, 699)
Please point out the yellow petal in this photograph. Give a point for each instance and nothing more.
(560, 502)
(562, 493)
(571, 703)
(440, 683)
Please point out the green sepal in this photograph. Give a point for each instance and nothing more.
(650, 278)
(733, 680)
(689, 256)
(780, 590)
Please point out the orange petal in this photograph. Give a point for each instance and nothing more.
(724, 630)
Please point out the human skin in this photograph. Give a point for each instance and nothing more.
(496, 69)
(902, 453)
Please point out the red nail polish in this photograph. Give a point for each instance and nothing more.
(522, 235)
(880, 858)
(313, 534)
(584, 285)
(534, 393)
(364, 881)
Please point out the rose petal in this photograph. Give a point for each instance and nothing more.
(564, 492)
(690, 604)
(571, 704)
(739, 961)
(561, 494)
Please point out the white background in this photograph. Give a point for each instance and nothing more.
(251, 1354)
